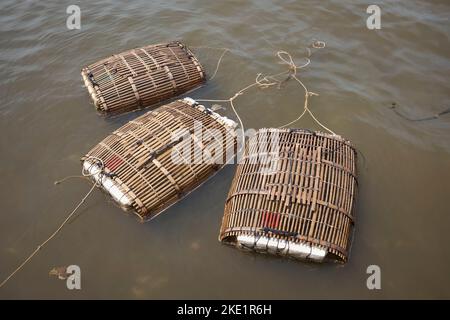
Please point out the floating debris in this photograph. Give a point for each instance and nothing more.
(142, 77)
(59, 272)
(293, 197)
(217, 107)
(155, 160)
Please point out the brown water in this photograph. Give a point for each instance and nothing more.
(47, 123)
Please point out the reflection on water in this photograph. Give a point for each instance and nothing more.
(47, 123)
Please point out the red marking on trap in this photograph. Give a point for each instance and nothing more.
(270, 220)
(113, 163)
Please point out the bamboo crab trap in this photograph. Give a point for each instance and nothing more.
(142, 77)
(135, 164)
(303, 206)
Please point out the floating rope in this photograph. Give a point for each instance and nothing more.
(308, 93)
(69, 177)
(394, 108)
(39, 247)
(271, 80)
(224, 51)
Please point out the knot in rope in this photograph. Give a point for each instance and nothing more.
(286, 58)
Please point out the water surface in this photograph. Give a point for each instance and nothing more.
(47, 123)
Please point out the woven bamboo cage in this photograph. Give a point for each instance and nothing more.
(293, 194)
(142, 77)
(150, 163)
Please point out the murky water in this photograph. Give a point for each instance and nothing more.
(47, 123)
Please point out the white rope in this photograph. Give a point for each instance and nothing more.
(271, 80)
(225, 50)
(218, 63)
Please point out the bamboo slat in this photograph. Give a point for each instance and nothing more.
(142, 77)
(137, 160)
(305, 207)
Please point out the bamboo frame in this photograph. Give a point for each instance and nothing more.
(142, 77)
(307, 202)
(138, 168)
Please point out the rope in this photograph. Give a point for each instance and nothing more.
(39, 247)
(237, 94)
(394, 106)
(293, 67)
(218, 63)
(271, 80)
(67, 178)
(225, 50)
